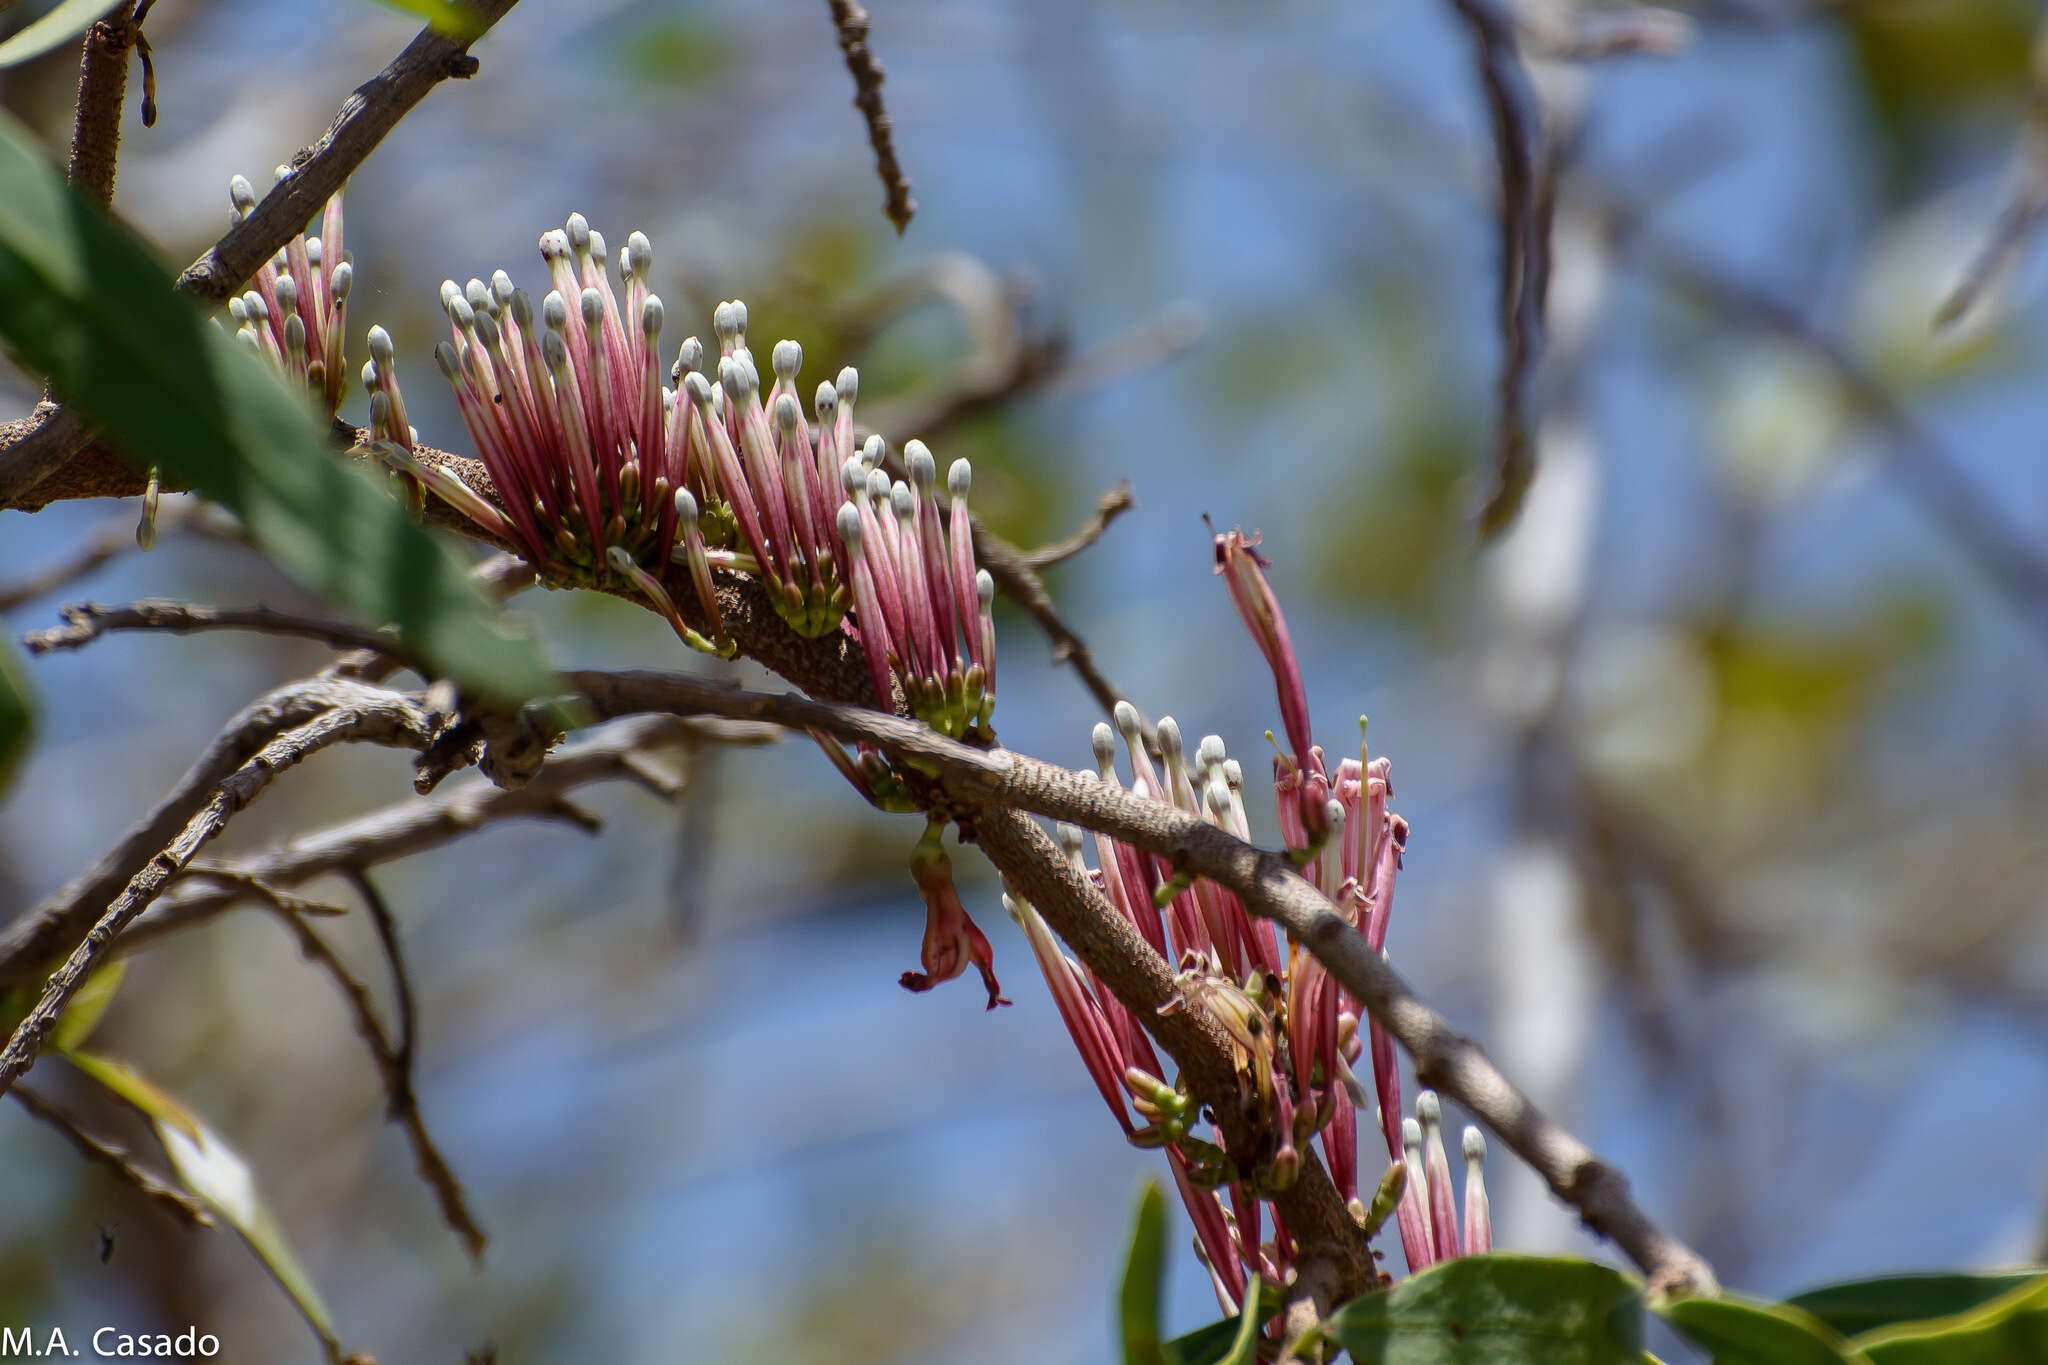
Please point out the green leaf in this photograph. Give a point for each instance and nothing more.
(1213, 1344)
(59, 26)
(1244, 1348)
(1144, 1274)
(1865, 1305)
(82, 1015)
(2010, 1328)
(1497, 1309)
(443, 16)
(222, 1180)
(17, 713)
(83, 302)
(1736, 1331)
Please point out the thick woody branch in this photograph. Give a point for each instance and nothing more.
(102, 91)
(1269, 887)
(33, 450)
(384, 718)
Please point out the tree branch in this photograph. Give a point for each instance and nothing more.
(88, 622)
(1266, 882)
(851, 23)
(1524, 252)
(113, 1157)
(384, 718)
(102, 91)
(34, 449)
(1108, 508)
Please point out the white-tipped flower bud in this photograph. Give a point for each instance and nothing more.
(651, 315)
(1218, 798)
(313, 250)
(444, 356)
(554, 245)
(461, 314)
(554, 312)
(478, 295)
(1475, 1145)
(295, 333)
(1209, 752)
(848, 384)
(287, 294)
(985, 588)
(1233, 773)
(521, 309)
(241, 193)
(592, 304)
(901, 502)
(578, 233)
(787, 358)
(686, 509)
(787, 414)
(852, 477)
(826, 404)
(1169, 738)
(616, 556)
(1103, 740)
(344, 276)
(371, 379)
(924, 470)
(501, 288)
(878, 485)
(450, 291)
(597, 251)
(689, 358)
(555, 351)
(1126, 721)
(697, 387)
(258, 310)
(849, 527)
(487, 330)
(739, 321)
(959, 479)
(381, 349)
(873, 449)
(239, 311)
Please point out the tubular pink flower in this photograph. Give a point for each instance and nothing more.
(1443, 1207)
(951, 939)
(1243, 573)
(1478, 1216)
(1086, 1024)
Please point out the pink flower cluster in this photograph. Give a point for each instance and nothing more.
(603, 471)
(1294, 1029)
(295, 315)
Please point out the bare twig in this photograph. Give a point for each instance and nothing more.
(1265, 881)
(386, 718)
(31, 942)
(851, 23)
(393, 1059)
(2025, 206)
(35, 448)
(614, 752)
(242, 883)
(1108, 508)
(113, 1157)
(1524, 252)
(88, 622)
(103, 545)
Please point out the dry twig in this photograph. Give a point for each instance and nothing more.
(851, 23)
(113, 1157)
(86, 623)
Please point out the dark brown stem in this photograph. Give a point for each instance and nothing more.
(851, 23)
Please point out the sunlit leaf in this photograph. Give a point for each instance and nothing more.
(451, 17)
(83, 302)
(1500, 1310)
(1865, 1305)
(82, 1015)
(222, 1180)
(1735, 1331)
(1215, 1343)
(1144, 1274)
(2010, 1328)
(54, 29)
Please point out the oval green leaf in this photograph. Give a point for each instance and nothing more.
(2008, 1329)
(1737, 1331)
(1144, 1274)
(84, 303)
(1500, 1310)
(222, 1180)
(17, 714)
(443, 16)
(59, 26)
(1866, 1305)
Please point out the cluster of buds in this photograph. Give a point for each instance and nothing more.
(602, 471)
(295, 315)
(1295, 1031)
